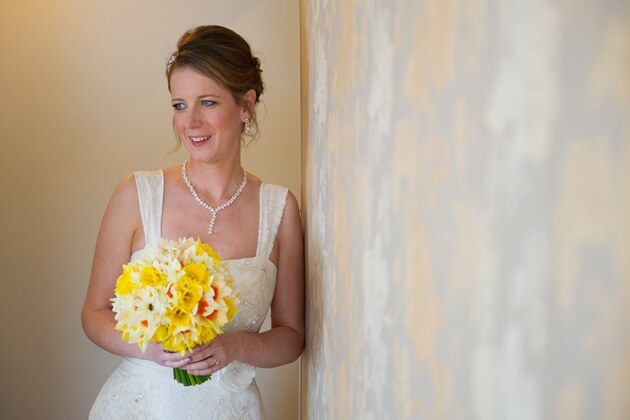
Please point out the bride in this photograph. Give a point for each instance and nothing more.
(215, 84)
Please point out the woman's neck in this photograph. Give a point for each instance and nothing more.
(217, 182)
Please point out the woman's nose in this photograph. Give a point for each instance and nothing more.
(193, 119)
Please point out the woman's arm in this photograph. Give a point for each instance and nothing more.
(284, 342)
(120, 228)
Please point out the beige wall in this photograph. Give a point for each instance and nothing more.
(84, 102)
(466, 190)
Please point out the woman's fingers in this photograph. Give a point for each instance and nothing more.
(176, 363)
(206, 366)
(162, 357)
(207, 360)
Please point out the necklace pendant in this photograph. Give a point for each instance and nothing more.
(212, 220)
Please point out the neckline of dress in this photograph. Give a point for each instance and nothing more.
(258, 238)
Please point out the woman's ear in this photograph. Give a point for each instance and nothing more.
(249, 100)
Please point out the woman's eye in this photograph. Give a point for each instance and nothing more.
(179, 106)
(207, 102)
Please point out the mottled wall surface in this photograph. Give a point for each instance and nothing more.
(466, 190)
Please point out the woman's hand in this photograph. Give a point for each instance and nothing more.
(208, 358)
(156, 353)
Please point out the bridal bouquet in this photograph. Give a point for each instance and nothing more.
(177, 293)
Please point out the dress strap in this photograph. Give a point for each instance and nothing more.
(272, 201)
(150, 196)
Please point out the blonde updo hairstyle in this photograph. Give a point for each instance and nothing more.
(224, 56)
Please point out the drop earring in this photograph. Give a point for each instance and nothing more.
(248, 126)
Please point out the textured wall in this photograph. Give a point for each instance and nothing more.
(466, 188)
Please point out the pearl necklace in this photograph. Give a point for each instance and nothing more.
(213, 210)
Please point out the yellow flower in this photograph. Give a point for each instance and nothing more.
(205, 248)
(149, 276)
(198, 273)
(124, 284)
(181, 339)
(169, 344)
(161, 333)
(180, 317)
(231, 303)
(188, 292)
(207, 334)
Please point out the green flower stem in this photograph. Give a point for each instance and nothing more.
(186, 379)
(195, 379)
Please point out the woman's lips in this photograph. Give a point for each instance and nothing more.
(198, 139)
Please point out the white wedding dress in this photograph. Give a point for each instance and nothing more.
(141, 389)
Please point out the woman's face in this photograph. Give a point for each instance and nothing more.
(206, 117)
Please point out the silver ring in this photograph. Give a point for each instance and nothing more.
(216, 362)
